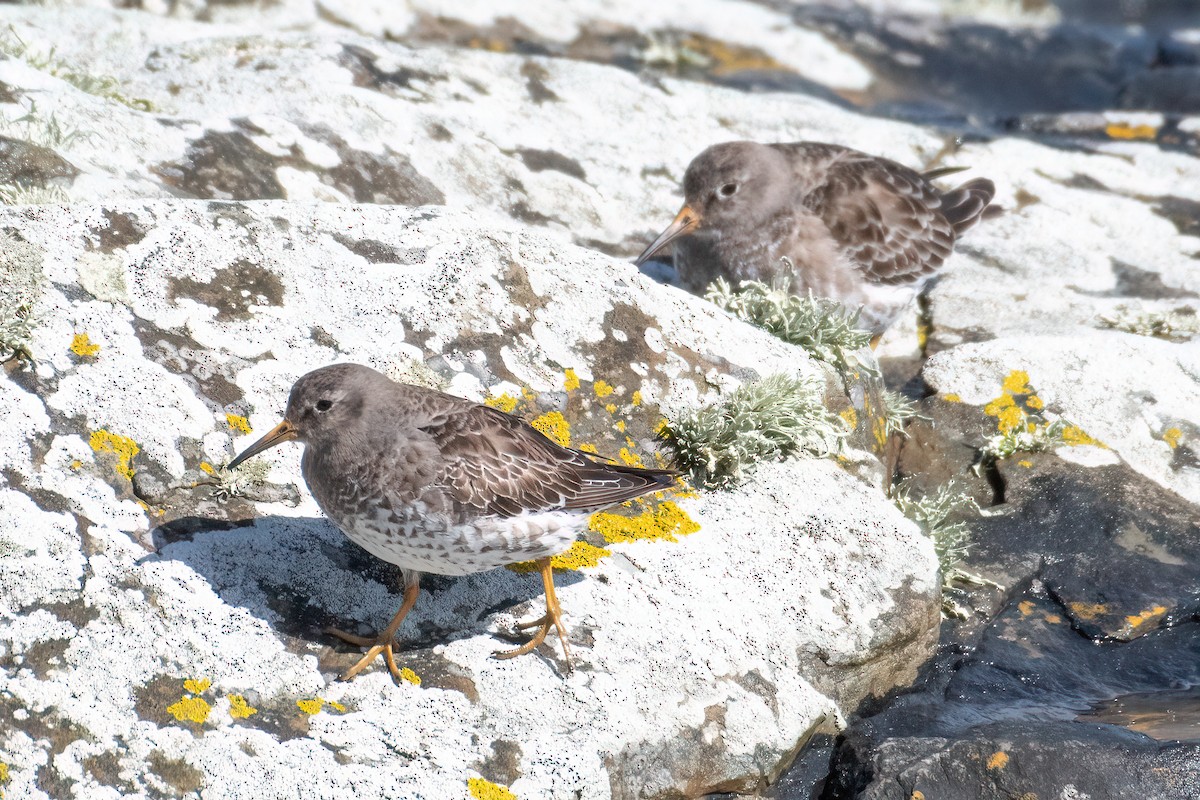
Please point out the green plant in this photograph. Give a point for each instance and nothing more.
(1027, 437)
(21, 283)
(824, 328)
(14, 194)
(897, 410)
(105, 86)
(1176, 324)
(720, 444)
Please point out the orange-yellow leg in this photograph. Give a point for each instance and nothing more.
(552, 618)
(382, 643)
(875, 340)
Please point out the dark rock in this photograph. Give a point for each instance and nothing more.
(29, 164)
(1175, 90)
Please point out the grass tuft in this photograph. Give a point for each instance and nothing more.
(897, 411)
(14, 194)
(21, 283)
(1177, 325)
(718, 446)
(105, 86)
(824, 328)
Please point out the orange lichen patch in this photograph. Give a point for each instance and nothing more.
(952, 398)
(636, 398)
(589, 448)
(314, 705)
(621, 425)
(239, 708)
(190, 709)
(1137, 620)
(505, 402)
(554, 426)
(1053, 619)
(665, 522)
(197, 686)
(570, 380)
(1008, 414)
(917, 795)
(999, 760)
(580, 555)
(851, 417)
(237, 423)
(407, 674)
(75, 464)
(83, 347)
(1075, 436)
(1025, 462)
(923, 330)
(728, 59)
(1087, 611)
(1172, 436)
(481, 789)
(1025, 607)
(1123, 130)
(122, 447)
(602, 388)
(611, 408)
(1035, 402)
(630, 458)
(207, 468)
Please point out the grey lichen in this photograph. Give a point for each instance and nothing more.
(416, 372)
(718, 446)
(825, 329)
(106, 86)
(245, 481)
(941, 514)
(21, 283)
(1177, 324)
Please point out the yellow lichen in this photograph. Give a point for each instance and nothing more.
(239, 708)
(580, 555)
(122, 447)
(1123, 130)
(610, 408)
(664, 522)
(636, 398)
(952, 398)
(602, 389)
(75, 463)
(1087, 611)
(555, 427)
(1025, 607)
(589, 448)
(237, 423)
(630, 458)
(1025, 462)
(1137, 620)
(917, 795)
(481, 789)
(1016, 382)
(3, 778)
(207, 468)
(1076, 437)
(1035, 402)
(999, 760)
(621, 425)
(191, 709)
(851, 417)
(1172, 436)
(923, 330)
(407, 674)
(1053, 619)
(197, 686)
(570, 380)
(314, 705)
(505, 402)
(728, 59)
(83, 347)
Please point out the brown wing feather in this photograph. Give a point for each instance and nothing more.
(885, 217)
(495, 463)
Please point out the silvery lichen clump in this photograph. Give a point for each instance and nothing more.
(1177, 324)
(20, 287)
(718, 445)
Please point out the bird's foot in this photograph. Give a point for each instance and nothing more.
(380, 644)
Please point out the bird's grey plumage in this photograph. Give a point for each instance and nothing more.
(860, 229)
(435, 483)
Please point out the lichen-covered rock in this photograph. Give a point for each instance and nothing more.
(161, 633)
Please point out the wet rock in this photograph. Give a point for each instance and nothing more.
(27, 164)
(1176, 90)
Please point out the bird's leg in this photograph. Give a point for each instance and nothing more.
(384, 642)
(552, 618)
(875, 340)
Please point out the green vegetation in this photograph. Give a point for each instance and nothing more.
(106, 86)
(717, 446)
(1178, 324)
(897, 410)
(1028, 437)
(822, 327)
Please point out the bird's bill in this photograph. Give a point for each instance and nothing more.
(283, 432)
(685, 222)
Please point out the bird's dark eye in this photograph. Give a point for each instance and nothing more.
(324, 405)
(728, 190)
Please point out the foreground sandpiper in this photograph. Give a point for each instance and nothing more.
(434, 483)
(859, 229)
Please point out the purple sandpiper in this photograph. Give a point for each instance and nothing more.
(434, 483)
(856, 228)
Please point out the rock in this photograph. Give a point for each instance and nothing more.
(702, 662)
(1173, 89)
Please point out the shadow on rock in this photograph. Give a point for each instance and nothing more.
(302, 575)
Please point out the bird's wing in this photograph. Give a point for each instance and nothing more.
(885, 217)
(495, 463)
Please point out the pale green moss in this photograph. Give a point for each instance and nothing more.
(720, 444)
(824, 328)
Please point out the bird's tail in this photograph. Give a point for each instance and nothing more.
(968, 204)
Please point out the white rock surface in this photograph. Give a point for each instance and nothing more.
(701, 663)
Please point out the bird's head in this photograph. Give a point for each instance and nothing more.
(734, 182)
(324, 404)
